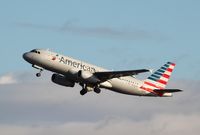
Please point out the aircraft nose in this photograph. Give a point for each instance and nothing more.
(26, 56)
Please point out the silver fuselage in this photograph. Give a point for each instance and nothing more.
(69, 67)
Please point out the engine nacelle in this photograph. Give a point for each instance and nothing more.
(87, 77)
(61, 80)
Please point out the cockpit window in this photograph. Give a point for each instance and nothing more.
(35, 51)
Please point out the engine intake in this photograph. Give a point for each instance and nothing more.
(61, 80)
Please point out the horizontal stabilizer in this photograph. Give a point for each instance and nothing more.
(167, 90)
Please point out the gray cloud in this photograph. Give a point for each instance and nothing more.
(102, 31)
(34, 107)
(7, 79)
(161, 124)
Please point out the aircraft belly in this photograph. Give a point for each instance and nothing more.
(125, 88)
(116, 84)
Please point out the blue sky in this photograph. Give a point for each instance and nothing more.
(113, 34)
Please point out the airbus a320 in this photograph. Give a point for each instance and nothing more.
(68, 71)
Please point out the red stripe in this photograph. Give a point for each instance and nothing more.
(153, 85)
(173, 64)
(147, 89)
(166, 76)
(169, 69)
(163, 82)
(151, 91)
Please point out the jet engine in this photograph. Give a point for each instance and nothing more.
(87, 77)
(61, 80)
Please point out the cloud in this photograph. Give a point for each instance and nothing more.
(99, 31)
(164, 124)
(37, 106)
(7, 79)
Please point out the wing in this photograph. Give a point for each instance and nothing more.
(104, 76)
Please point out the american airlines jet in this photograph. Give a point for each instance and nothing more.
(69, 71)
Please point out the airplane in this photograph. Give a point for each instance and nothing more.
(69, 71)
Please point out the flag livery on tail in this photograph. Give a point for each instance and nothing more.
(157, 82)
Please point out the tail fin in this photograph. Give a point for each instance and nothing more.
(160, 78)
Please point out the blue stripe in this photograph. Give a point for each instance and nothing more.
(166, 65)
(151, 78)
(157, 73)
(169, 63)
(164, 68)
(161, 71)
(155, 76)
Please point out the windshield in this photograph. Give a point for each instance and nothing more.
(35, 51)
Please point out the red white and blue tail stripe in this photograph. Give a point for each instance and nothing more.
(160, 78)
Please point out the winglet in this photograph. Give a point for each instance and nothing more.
(151, 71)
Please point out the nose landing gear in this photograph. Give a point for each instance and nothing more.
(39, 74)
(39, 68)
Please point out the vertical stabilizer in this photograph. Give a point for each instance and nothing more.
(160, 78)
